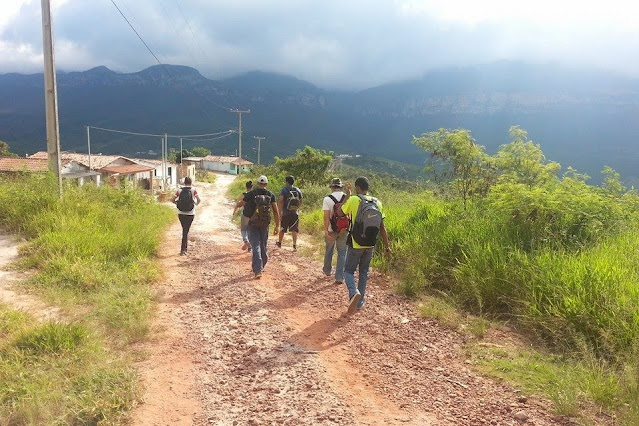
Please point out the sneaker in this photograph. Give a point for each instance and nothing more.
(248, 250)
(294, 247)
(278, 244)
(183, 253)
(338, 282)
(246, 246)
(361, 304)
(352, 304)
(258, 275)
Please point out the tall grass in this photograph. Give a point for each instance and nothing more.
(92, 253)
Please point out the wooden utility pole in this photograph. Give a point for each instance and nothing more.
(50, 94)
(239, 171)
(259, 146)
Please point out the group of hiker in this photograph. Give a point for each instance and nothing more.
(352, 224)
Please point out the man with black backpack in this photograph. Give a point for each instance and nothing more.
(336, 225)
(367, 223)
(186, 198)
(289, 202)
(258, 205)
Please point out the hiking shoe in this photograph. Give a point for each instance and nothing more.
(352, 304)
(246, 246)
(278, 244)
(258, 275)
(338, 282)
(294, 247)
(183, 253)
(248, 250)
(361, 304)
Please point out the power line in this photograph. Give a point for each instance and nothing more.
(160, 63)
(224, 133)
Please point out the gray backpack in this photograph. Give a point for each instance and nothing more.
(368, 221)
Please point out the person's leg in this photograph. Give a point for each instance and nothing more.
(364, 265)
(340, 243)
(185, 220)
(352, 260)
(255, 240)
(244, 232)
(295, 229)
(263, 241)
(328, 257)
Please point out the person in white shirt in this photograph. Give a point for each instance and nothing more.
(335, 230)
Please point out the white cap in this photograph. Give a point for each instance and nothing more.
(262, 179)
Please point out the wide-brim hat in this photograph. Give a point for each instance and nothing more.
(336, 182)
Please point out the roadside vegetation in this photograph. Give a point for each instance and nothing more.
(515, 239)
(91, 253)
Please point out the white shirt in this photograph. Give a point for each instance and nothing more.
(328, 204)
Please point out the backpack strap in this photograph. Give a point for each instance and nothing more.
(334, 199)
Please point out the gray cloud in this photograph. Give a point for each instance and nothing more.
(333, 44)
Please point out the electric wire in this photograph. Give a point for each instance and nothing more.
(160, 63)
(224, 133)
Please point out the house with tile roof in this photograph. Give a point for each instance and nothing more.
(230, 165)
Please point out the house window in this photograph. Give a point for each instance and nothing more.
(170, 171)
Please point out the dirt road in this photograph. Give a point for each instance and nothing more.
(232, 350)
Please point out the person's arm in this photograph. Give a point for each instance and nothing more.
(384, 234)
(197, 198)
(327, 219)
(347, 191)
(240, 202)
(280, 203)
(276, 216)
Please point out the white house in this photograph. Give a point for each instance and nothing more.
(225, 164)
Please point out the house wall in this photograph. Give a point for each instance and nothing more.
(219, 167)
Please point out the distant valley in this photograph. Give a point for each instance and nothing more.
(583, 118)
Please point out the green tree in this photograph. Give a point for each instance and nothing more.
(4, 150)
(308, 165)
(200, 151)
(522, 161)
(456, 158)
(612, 181)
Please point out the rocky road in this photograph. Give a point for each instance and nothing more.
(231, 350)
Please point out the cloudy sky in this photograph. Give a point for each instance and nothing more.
(346, 44)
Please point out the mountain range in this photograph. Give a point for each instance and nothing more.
(581, 117)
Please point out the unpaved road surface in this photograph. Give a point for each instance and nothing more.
(231, 350)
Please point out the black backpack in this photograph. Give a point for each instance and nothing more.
(185, 201)
(367, 223)
(262, 215)
(293, 200)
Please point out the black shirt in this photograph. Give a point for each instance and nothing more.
(249, 199)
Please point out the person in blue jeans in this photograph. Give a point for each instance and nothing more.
(360, 256)
(258, 206)
(335, 230)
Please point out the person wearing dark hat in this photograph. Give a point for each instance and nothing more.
(258, 205)
(336, 225)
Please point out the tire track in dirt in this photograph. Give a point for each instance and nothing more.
(232, 350)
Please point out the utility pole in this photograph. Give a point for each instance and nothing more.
(259, 146)
(240, 136)
(89, 147)
(180, 151)
(50, 94)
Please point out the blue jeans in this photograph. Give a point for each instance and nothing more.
(244, 228)
(357, 258)
(340, 243)
(258, 237)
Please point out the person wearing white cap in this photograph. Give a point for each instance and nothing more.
(258, 204)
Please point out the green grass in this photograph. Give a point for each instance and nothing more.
(92, 253)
